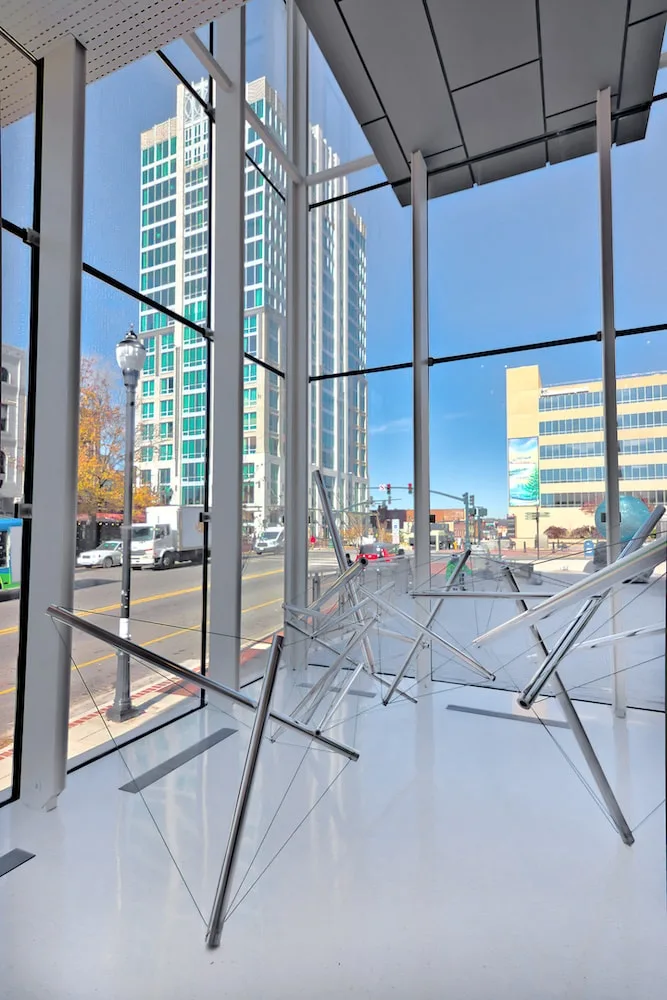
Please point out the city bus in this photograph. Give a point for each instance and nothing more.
(11, 531)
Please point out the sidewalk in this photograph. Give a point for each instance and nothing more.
(89, 727)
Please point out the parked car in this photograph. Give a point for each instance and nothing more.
(376, 550)
(105, 556)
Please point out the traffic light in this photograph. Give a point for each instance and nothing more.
(465, 500)
(410, 488)
(388, 492)
(472, 500)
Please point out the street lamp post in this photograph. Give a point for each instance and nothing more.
(130, 355)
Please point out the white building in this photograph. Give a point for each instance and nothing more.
(12, 426)
(174, 271)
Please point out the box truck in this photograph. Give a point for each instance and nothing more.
(170, 535)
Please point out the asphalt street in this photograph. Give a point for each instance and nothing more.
(166, 615)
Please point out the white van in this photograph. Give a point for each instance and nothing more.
(271, 540)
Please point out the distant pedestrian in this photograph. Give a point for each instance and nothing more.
(348, 558)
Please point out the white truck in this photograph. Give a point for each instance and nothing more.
(170, 535)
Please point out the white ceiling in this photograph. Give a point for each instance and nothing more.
(460, 78)
(115, 33)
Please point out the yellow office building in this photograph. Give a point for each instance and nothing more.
(555, 449)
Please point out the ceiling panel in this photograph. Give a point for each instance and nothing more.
(582, 43)
(115, 33)
(642, 56)
(501, 111)
(386, 148)
(508, 164)
(508, 39)
(568, 147)
(332, 36)
(392, 35)
(646, 8)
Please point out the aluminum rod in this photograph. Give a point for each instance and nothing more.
(340, 697)
(460, 654)
(484, 595)
(604, 640)
(578, 731)
(319, 691)
(340, 558)
(200, 680)
(223, 891)
(458, 569)
(624, 568)
(332, 649)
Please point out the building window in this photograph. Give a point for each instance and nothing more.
(4, 410)
(248, 471)
(167, 361)
(147, 453)
(166, 430)
(166, 408)
(166, 386)
(145, 477)
(166, 452)
(249, 421)
(149, 387)
(249, 445)
(147, 432)
(147, 411)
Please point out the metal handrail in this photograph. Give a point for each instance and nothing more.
(201, 680)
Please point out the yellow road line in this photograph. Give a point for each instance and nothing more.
(147, 600)
(161, 638)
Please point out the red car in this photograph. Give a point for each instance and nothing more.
(378, 551)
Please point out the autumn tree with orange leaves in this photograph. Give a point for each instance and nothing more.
(102, 448)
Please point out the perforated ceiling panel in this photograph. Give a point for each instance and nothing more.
(463, 79)
(115, 33)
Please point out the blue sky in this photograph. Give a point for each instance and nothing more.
(510, 263)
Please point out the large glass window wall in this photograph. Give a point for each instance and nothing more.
(18, 170)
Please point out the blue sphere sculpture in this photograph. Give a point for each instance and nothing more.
(633, 514)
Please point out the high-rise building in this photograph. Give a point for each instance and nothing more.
(12, 426)
(556, 448)
(174, 271)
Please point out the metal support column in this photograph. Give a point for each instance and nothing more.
(296, 402)
(608, 327)
(54, 401)
(227, 353)
(420, 395)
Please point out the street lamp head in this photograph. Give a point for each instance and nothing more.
(130, 353)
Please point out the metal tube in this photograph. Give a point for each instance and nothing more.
(563, 646)
(332, 649)
(624, 568)
(485, 595)
(223, 890)
(122, 709)
(578, 731)
(200, 680)
(420, 370)
(338, 700)
(454, 650)
(604, 640)
(318, 692)
(458, 569)
(341, 560)
(341, 170)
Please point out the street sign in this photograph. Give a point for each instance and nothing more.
(395, 531)
(589, 548)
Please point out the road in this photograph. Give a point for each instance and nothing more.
(166, 615)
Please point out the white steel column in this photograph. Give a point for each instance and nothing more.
(56, 426)
(608, 327)
(420, 372)
(420, 388)
(297, 345)
(227, 354)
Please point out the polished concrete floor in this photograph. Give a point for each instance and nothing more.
(462, 856)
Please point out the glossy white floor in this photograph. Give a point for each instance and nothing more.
(460, 857)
